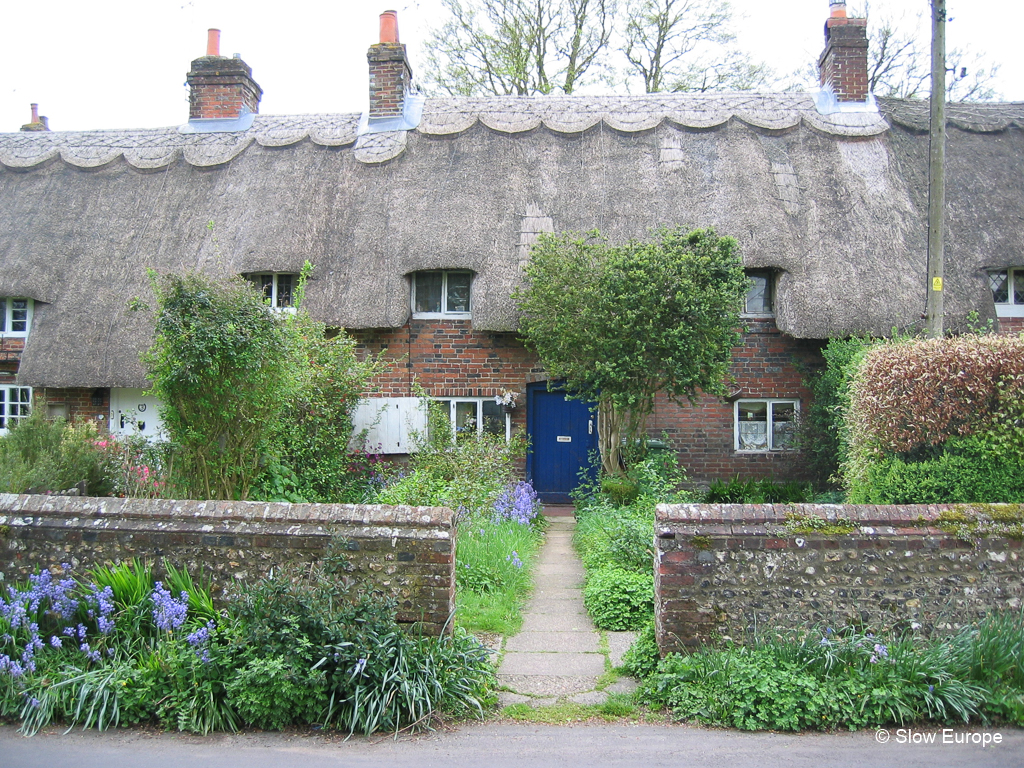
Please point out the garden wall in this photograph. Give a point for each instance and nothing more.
(408, 552)
(730, 570)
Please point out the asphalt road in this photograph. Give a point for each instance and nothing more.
(497, 745)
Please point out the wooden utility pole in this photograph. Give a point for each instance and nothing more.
(937, 173)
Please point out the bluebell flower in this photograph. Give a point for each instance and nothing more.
(168, 613)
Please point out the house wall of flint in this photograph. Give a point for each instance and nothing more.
(407, 553)
(730, 571)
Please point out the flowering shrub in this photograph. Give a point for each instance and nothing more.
(114, 647)
(46, 456)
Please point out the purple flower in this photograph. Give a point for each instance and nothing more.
(56, 641)
(200, 642)
(514, 559)
(168, 613)
(518, 503)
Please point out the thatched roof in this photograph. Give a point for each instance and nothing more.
(836, 203)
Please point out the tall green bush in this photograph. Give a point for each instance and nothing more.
(220, 366)
(255, 401)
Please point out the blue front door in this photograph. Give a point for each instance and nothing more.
(563, 435)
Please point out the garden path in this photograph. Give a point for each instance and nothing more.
(559, 654)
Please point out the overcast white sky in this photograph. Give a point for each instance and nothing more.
(122, 63)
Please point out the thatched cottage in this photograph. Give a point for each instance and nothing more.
(418, 217)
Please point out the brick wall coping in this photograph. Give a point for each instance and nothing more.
(697, 519)
(223, 515)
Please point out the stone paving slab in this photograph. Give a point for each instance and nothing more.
(548, 685)
(556, 593)
(556, 605)
(556, 622)
(572, 571)
(555, 663)
(618, 644)
(579, 642)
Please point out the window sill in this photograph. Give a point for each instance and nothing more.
(1009, 310)
(757, 451)
(442, 316)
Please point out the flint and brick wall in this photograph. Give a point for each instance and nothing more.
(730, 570)
(407, 552)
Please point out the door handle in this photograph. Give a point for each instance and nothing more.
(590, 427)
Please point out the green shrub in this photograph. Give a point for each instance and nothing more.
(618, 599)
(44, 456)
(965, 470)
(763, 491)
(269, 692)
(641, 660)
(818, 681)
(621, 490)
(619, 537)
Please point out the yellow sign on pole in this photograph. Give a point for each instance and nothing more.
(936, 283)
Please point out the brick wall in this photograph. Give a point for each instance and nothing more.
(730, 570)
(78, 402)
(768, 364)
(408, 552)
(449, 359)
(1011, 325)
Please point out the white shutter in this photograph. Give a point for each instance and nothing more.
(389, 423)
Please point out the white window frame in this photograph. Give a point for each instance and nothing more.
(7, 417)
(479, 401)
(1007, 308)
(256, 278)
(769, 277)
(770, 401)
(444, 313)
(8, 316)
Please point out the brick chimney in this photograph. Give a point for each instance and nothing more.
(844, 62)
(390, 73)
(221, 87)
(37, 123)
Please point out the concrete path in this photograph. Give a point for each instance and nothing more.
(559, 654)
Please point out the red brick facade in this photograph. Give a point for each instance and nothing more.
(390, 78)
(447, 358)
(1011, 325)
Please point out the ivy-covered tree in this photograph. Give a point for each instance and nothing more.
(619, 324)
(252, 397)
(220, 366)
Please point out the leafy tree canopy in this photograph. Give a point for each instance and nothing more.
(619, 324)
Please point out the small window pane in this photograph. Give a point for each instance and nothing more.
(1000, 287)
(266, 285)
(465, 418)
(783, 425)
(3, 315)
(759, 300)
(284, 290)
(458, 292)
(753, 426)
(1018, 286)
(19, 315)
(428, 291)
(494, 419)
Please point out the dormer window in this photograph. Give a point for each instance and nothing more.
(278, 288)
(761, 295)
(1007, 291)
(15, 317)
(441, 293)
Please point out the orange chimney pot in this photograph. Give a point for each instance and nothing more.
(213, 42)
(389, 27)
